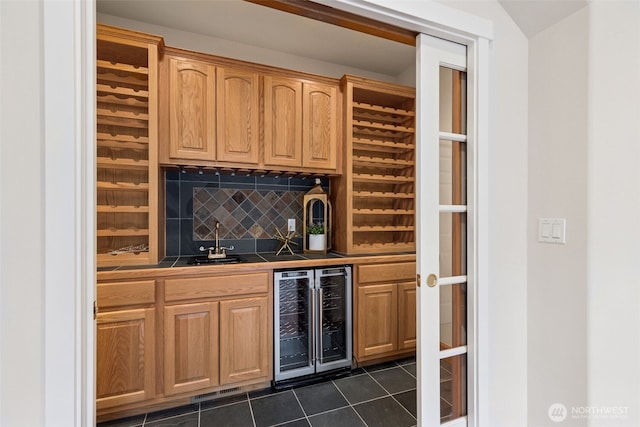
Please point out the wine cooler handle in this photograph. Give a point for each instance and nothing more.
(312, 292)
(319, 328)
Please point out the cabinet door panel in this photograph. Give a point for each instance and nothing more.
(319, 139)
(191, 347)
(377, 319)
(282, 122)
(192, 110)
(407, 315)
(244, 340)
(125, 371)
(238, 107)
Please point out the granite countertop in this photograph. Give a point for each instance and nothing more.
(266, 260)
(251, 258)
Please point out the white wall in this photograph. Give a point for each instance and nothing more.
(21, 213)
(508, 213)
(556, 332)
(613, 184)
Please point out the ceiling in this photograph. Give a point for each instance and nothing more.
(533, 16)
(256, 25)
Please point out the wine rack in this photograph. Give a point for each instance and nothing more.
(126, 147)
(378, 185)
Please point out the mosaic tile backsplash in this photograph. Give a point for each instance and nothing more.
(247, 207)
(244, 214)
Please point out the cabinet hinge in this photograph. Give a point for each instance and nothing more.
(95, 309)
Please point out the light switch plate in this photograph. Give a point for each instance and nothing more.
(291, 224)
(552, 230)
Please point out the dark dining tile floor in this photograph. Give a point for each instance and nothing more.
(377, 396)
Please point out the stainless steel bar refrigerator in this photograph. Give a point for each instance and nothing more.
(312, 323)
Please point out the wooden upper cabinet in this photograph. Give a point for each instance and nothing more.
(192, 106)
(238, 109)
(320, 131)
(282, 122)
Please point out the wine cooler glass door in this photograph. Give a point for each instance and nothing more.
(293, 324)
(334, 309)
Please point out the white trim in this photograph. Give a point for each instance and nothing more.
(478, 238)
(426, 17)
(453, 352)
(448, 136)
(458, 422)
(69, 270)
(452, 280)
(452, 208)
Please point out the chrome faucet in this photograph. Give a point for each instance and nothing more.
(217, 251)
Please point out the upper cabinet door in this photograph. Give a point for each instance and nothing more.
(192, 95)
(282, 122)
(319, 139)
(238, 108)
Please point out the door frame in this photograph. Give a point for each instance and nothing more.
(69, 31)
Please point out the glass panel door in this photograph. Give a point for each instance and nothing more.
(443, 253)
(293, 323)
(334, 302)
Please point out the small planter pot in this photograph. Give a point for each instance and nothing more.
(317, 242)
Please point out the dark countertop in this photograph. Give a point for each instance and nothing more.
(180, 266)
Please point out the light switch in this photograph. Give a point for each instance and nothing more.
(552, 230)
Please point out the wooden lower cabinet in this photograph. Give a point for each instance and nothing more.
(377, 319)
(407, 315)
(161, 341)
(125, 371)
(245, 340)
(385, 311)
(190, 347)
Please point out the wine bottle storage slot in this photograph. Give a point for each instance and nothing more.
(126, 88)
(381, 179)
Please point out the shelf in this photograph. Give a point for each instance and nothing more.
(383, 247)
(122, 209)
(381, 145)
(382, 228)
(124, 141)
(105, 162)
(104, 112)
(380, 162)
(119, 100)
(113, 232)
(111, 79)
(379, 194)
(382, 178)
(384, 212)
(120, 90)
(142, 186)
(107, 65)
(382, 126)
(381, 109)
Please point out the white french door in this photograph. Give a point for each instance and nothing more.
(444, 254)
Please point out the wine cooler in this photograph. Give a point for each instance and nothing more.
(312, 323)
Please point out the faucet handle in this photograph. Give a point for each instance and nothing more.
(202, 248)
(229, 248)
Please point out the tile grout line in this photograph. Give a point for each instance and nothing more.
(306, 417)
(253, 418)
(350, 405)
(391, 395)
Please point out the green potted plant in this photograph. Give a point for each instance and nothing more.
(316, 237)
